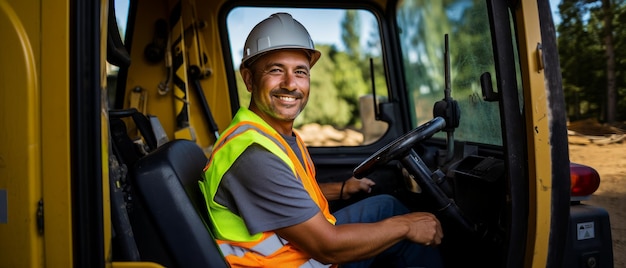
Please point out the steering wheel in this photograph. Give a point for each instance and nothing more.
(402, 149)
(399, 147)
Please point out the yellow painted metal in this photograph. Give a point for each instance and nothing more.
(55, 110)
(35, 122)
(148, 75)
(181, 89)
(20, 135)
(195, 58)
(215, 86)
(538, 134)
(104, 134)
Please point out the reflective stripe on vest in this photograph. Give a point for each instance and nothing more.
(312, 263)
(239, 246)
(267, 247)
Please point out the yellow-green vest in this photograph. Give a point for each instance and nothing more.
(241, 248)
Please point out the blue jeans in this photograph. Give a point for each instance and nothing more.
(404, 253)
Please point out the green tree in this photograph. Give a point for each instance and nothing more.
(593, 79)
(340, 78)
(422, 33)
(350, 27)
(325, 105)
(373, 49)
(578, 59)
(423, 27)
(609, 52)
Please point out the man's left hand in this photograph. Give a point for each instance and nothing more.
(354, 185)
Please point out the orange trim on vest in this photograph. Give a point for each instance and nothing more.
(287, 255)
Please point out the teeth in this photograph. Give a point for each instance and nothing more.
(287, 98)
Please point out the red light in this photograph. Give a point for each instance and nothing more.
(584, 180)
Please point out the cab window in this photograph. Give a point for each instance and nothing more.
(340, 110)
(121, 8)
(422, 27)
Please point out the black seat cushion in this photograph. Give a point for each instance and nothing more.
(167, 182)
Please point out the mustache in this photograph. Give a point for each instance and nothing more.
(286, 92)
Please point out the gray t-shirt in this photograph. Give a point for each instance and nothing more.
(262, 189)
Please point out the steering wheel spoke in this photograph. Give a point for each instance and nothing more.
(399, 147)
(402, 149)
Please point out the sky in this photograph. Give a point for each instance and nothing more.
(554, 7)
(240, 21)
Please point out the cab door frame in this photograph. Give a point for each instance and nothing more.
(89, 133)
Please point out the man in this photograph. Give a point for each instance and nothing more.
(266, 207)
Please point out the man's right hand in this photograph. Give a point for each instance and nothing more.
(329, 243)
(424, 228)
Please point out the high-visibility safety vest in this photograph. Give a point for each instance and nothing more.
(267, 249)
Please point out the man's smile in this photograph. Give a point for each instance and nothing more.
(287, 98)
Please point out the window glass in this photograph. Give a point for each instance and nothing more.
(121, 18)
(422, 28)
(340, 107)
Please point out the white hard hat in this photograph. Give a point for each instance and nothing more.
(279, 31)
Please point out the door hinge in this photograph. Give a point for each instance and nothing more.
(40, 216)
(539, 53)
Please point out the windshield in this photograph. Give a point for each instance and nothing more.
(422, 29)
(340, 109)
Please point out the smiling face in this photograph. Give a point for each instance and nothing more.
(279, 82)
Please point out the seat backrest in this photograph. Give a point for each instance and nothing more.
(167, 182)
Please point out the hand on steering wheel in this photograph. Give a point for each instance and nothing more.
(402, 149)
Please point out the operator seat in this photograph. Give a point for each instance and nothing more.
(174, 209)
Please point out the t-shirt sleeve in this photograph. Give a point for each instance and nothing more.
(263, 190)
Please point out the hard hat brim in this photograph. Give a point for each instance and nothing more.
(313, 54)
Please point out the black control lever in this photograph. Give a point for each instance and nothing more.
(448, 108)
(444, 205)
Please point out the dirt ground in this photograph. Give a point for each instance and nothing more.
(610, 162)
